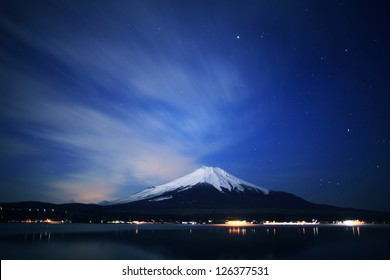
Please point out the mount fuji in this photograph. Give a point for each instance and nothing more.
(211, 188)
(207, 193)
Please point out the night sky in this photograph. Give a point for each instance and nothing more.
(100, 99)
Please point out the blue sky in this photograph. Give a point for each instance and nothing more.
(100, 99)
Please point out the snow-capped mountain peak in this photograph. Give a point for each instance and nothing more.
(215, 176)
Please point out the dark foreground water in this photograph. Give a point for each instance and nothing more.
(107, 241)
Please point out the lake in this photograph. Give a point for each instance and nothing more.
(191, 242)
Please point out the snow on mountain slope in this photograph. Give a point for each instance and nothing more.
(214, 176)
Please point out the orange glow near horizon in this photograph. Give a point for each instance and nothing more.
(236, 223)
(50, 221)
(353, 222)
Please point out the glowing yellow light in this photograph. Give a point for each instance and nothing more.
(236, 223)
(50, 221)
(353, 222)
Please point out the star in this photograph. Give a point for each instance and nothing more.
(238, 37)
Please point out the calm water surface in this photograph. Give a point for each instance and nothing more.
(108, 241)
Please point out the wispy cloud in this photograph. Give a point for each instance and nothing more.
(130, 115)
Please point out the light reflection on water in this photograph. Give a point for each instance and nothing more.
(356, 231)
(237, 230)
(193, 242)
(301, 230)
